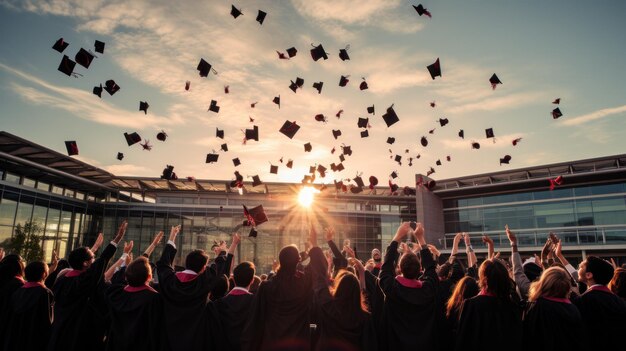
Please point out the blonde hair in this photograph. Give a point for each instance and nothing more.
(554, 282)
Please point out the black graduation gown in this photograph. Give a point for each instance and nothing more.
(280, 314)
(184, 303)
(409, 313)
(374, 297)
(6, 291)
(489, 323)
(551, 325)
(228, 319)
(74, 326)
(31, 318)
(604, 317)
(136, 319)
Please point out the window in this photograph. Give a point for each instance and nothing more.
(12, 178)
(28, 182)
(57, 190)
(43, 186)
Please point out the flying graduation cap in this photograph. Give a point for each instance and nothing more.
(292, 51)
(67, 66)
(363, 85)
(99, 46)
(363, 122)
(254, 216)
(390, 117)
(443, 121)
(256, 180)
(556, 113)
(424, 141)
(318, 52)
(204, 68)
(261, 17)
(97, 90)
(343, 53)
(211, 158)
(60, 45)
(308, 147)
(273, 169)
(252, 134)
(434, 69)
(72, 148)
(365, 133)
(506, 159)
(120, 156)
(84, 58)
(391, 140)
(557, 101)
(422, 11)
(161, 136)
(132, 138)
(343, 81)
(277, 100)
(461, 134)
(494, 80)
(489, 134)
(336, 133)
(214, 107)
(236, 161)
(289, 129)
(224, 147)
(143, 106)
(219, 133)
(111, 87)
(318, 86)
(235, 12)
(516, 141)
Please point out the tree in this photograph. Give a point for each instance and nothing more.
(27, 242)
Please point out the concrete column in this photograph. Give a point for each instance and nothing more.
(429, 210)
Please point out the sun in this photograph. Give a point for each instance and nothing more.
(306, 196)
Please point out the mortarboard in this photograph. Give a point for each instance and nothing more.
(254, 216)
(391, 140)
(430, 171)
(432, 131)
(320, 118)
(433, 104)
(253, 105)
(322, 171)
(398, 159)
(347, 150)
(422, 11)
(338, 114)
(132, 138)
(236, 161)
(273, 169)
(256, 181)
(318, 86)
(72, 148)
(489, 133)
(111, 87)
(308, 179)
(213, 107)
(373, 182)
(60, 45)
(168, 173)
(342, 158)
(312, 169)
(204, 68)
(390, 117)
(343, 81)
(475, 145)
(224, 147)
(161, 136)
(99, 46)
(443, 121)
(210, 158)
(282, 56)
(187, 85)
(308, 147)
(359, 181)
(461, 134)
(394, 174)
(363, 85)
(340, 167)
(494, 80)
(424, 141)
(448, 158)
(277, 100)
(120, 156)
(98, 91)
(299, 82)
(252, 134)
(143, 106)
(343, 53)
(67, 66)
(146, 145)
(289, 129)
(292, 51)
(556, 113)
(557, 101)
(219, 133)
(363, 122)
(365, 133)
(371, 110)
(293, 86)
(238, 176)
(226, 89)
(506, 159)
(84, 58)
(318, 52)
(438, 163)
(434, 69)
(289, 164)
(261, 16)
(393, 187)
(336, 133)
(516, 141)
(556, 181)
(235, 12)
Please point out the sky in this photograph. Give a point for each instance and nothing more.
(540, 50)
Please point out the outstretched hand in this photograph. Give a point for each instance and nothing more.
(54, 262)
(98, 243)
(349, 251)
(510, 235)
(402, 232)
(234, 243)
(174, 232)
(120, 232)
(128, 247)
(329, 233)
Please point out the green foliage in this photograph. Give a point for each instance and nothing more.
(26, 242)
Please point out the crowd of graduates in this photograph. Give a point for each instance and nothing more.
(316, 299)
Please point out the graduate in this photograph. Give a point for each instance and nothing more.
(491, 320)
(136, 311)
(465, 289)
(11, 279)
(185, 294)
(74, 326)
(604, 313)
(551, 321)
(31, 311)
(410, 311)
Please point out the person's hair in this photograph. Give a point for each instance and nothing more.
(289, 256)
(263, 277)
(618, 283)
(466, 288)
(347, 293)
(410, 266)
(243, 274)
(554, 282)
(196, 260)
(78, 256)
(494, 277)
(602, 270)
(36, 271)
(138, 272)
(220, 289)
(256, 282)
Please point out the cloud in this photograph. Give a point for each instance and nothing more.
(498, 103)
(602, 113)
(126, 170)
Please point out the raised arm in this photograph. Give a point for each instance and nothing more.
(428, 260)
(339, 260)
(559, 254)
(516, 260)
(225, 268)
(545, 251)
(471, 256)
(108, 275)
(153, 245)
(489, 242)
(164, 264)
(388, 269)
(455, 246)
(98, 243)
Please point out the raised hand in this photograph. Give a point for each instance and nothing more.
(153, 245)
(434, 251)
(98, 243)
(120, 232)
(128, 247)
(174, 232)
(402, 232)
(275, 265)
(370, 264)
(349, 251)
(54, 262)
(467, 239)
(489, 242)
(129, 259)
(419, 234)
(557, 249)
(234, 243)
(510, 235)
(329, 233)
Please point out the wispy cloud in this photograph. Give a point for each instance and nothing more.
(596, 115)
(503, 141)
(126, 169)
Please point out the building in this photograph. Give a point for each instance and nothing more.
(72, 201)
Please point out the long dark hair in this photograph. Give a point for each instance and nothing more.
(11, 266)
(493, 276)
(347, 292)
(466, 288)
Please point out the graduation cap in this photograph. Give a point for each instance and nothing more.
(356, 189)
(393, 187)
(557, 101)
(254, 216)
(293, 86)
(365, 133)
(433, 104)
(187, 85)
(432, 131)
(236, 161)
(336, 133)
(391, 140)
(161, 136)
(261, 17)
(226, 89)
(343, 81)
(60, 45)
(516, 141)
(235, 12)
(475, 145)
(373, 182)
(224, 147)
(438, 163)
(72, 148)
(363, 85)
(390, 117)
(277, 100)
(342, 158)
(146, 145)
(289, 129)
(318, 52)
(132, 138)
(308, 147)
(320, 118)
(363, 122)
(371, 110)
(318, 86)
(143, 106)
(443, 121)
(120, 156)
(322, 171)
(111, 87)
(289, 164)
(556, 181)
(168, 173)
(340, 167)
(556, 113)
(338, 114)
(84, 58)
(97, 90)
(273, 169)
(394, 174)
(347, 150)
(434, 69)
(213, 107)
(312, 169)
(252, 134)
(494, 80)
(489, 133)
(461, 134)
(292, 51)
(422, 11)
(343, 53)
(424, 141)
(506, 159)
(398, 159)
(219, 133)
(448, 158)
(67, 66)
(430, 171)
(256, 181)
(210, 158)
(204, 68)
(99, 46)
(238, 176)
(253, 105)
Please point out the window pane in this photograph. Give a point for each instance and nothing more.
(8, 205)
